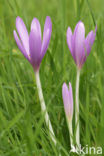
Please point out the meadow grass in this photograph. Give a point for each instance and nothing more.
(23, 131)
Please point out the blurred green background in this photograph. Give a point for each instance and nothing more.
(22, 128)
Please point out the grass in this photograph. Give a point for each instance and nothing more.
(22, 128)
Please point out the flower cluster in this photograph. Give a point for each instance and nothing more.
(33, 47)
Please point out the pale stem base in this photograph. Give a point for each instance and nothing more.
(43, 106)
(71, 133)
(77, 109)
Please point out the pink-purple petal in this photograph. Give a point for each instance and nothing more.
(79, 37)
(23, 34)
(71, 99)
(19, 44)
(35, 48)
(88, 45)
(89, 42)
(46, 36)
(35, 25)
(65, 95)
(69, 38)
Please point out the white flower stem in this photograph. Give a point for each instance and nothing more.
(43, 107)
(77, 109)
(71, 133)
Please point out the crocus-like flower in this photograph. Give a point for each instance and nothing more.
(32, 46)
(80, 46)
(68, 100)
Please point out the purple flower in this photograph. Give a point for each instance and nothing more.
(32, 46)
(68, 100)
(80, 46)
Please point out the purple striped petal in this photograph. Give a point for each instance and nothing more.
(78, 39)
(35, 48)
(46, 36)
(67, 100)
(23, 34)
(19, 44)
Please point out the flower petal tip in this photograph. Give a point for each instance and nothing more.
(48, 20)
(64, 85)
(69, 85)
(18, 19)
